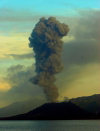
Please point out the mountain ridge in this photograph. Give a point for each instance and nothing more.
(88, 103)
(54, 111)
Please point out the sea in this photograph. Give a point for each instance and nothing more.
(56, 125)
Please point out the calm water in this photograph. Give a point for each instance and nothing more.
(67, 125)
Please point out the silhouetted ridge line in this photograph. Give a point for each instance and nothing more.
(54, 111)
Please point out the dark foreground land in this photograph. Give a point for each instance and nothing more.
(56, 111)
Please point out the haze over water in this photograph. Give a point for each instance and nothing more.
(59, 125)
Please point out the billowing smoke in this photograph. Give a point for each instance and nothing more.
(47, 45)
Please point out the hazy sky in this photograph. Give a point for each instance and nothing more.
(81, 74)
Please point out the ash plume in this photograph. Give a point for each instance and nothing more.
(47, 45)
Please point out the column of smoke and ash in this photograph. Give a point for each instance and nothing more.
(46, 42)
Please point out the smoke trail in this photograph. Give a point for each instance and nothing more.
(47, 45)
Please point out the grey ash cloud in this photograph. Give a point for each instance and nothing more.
(80, 53)
(21, 88)
(47, 45)
(85, 47)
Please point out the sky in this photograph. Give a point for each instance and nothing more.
(81, 57)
